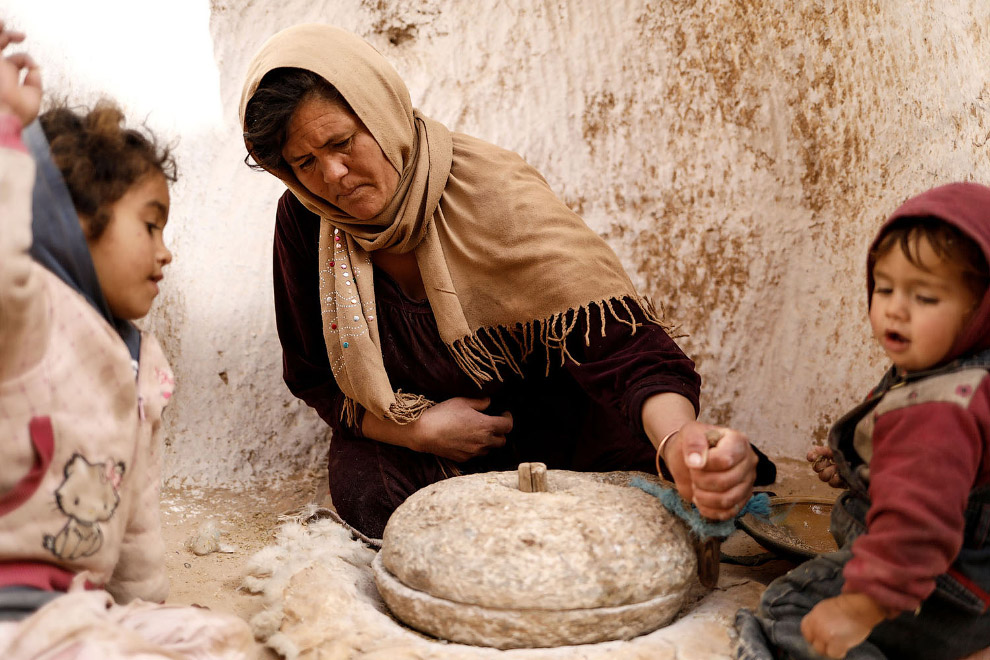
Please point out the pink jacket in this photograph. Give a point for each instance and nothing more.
(80, 455)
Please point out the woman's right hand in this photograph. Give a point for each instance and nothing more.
(824, 466)
(458, 429)
(21, 98)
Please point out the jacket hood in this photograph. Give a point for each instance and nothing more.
(965, 206)
(59, 243)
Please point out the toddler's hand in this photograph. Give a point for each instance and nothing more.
(835, 625)
(22, 98)
(823, 465)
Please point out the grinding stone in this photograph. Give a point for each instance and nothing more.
(475, 560)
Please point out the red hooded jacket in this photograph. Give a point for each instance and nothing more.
(930, 443)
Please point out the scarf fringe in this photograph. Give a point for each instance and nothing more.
(348, 412)
(408, 407)
(481, 354)
(481, 359)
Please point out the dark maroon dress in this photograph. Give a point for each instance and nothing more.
(583, 416)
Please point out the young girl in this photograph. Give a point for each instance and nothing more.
(82, 390)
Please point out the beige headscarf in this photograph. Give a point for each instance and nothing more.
(504, 261)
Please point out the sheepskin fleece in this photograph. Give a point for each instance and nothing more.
(321, 603)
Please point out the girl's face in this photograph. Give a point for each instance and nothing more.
(130, 253)
(335, 157)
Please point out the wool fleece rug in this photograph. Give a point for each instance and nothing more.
(321, 603)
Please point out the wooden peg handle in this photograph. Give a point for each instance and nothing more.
(533, 477)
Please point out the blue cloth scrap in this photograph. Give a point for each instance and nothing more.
(703, 528)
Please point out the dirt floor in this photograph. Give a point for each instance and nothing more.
(243, 522)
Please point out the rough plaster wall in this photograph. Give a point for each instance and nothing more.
(232, 419)
(737, 155)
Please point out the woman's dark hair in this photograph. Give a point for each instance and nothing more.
(100, 159)
(948, 242)
(268, 112)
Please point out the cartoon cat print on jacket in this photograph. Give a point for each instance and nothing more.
(88, 496)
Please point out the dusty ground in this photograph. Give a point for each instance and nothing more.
(246, 522)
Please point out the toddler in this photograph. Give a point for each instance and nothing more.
(912, 576)
(82, 391)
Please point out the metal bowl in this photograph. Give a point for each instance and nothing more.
(798, 528)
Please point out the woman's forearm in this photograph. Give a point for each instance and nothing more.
(664, 413)
(719, 479)
(389, 432)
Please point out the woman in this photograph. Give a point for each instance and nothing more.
(443, 311)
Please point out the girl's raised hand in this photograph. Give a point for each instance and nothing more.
(17, 96)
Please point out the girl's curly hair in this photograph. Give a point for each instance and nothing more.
(100, 159)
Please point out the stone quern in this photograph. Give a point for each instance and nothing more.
(476, 560)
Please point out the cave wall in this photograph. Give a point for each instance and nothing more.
(737, 156)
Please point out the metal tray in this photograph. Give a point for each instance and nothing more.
(798, 528)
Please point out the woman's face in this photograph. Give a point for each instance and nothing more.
(336, 158)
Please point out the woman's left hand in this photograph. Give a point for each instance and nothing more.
(719, 479)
